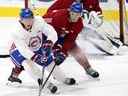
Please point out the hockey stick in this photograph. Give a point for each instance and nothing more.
(114, 41)
(4, 56)
(42, 79)
(43, 84)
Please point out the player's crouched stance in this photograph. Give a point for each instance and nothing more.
(32, 45)
(69, 26)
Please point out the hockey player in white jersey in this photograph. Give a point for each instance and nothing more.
(32, 44)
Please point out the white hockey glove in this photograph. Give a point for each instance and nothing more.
(95, 19)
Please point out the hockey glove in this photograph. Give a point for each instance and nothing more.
(42, 60)
(60, 40)
(95, 19)
(45, 58)
(46, 47)
(59, 57)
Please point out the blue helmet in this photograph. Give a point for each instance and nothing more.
(26, 13)
(76, 7)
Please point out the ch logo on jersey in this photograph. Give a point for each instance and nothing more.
(35, 42)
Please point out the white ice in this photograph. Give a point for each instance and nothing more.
(113, 71)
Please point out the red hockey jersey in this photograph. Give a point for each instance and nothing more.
(89, 5)
(59, 19)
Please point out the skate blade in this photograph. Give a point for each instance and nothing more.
(93, 79)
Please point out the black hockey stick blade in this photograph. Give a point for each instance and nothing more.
(4, 56)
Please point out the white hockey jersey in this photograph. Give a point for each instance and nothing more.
(29, 41)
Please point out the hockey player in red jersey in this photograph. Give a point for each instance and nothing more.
(68, 23)
(92, 20)
(89, 5)
(91, 8)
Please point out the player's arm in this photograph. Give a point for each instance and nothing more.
(22, 46)
(59, 56)
(69, 40)
(49, 31)
(24, 52)
(55, 6)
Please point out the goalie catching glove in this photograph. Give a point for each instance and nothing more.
(93, 19)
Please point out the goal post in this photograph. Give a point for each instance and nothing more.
(29, 3)
(26, 3)
(123, 22)
(121, 18)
